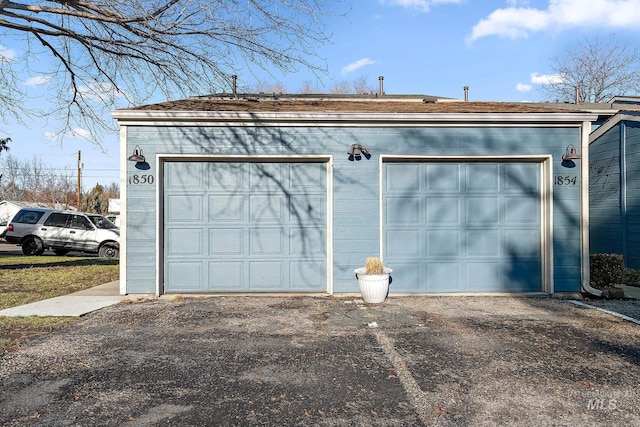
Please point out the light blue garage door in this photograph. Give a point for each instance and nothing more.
(245, 226)
(463, 226)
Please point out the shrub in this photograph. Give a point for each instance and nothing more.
(606, 270)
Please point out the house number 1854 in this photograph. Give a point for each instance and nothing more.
(565, 180)
(140, 179)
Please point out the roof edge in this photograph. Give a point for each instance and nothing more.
(324, 118)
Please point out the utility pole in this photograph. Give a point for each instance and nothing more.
(79, 175)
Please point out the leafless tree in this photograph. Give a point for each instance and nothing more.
(595, 71)
(33, 181)
(342, 87)
(267, 88)
(362, 86)
(104, 55)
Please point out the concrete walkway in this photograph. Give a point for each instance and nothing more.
(74, 305)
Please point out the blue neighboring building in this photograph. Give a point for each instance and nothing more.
(226, 194)
(614, 179)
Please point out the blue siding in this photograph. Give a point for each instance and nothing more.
(356, 190)
(604, 194)
(632, 149)
(614, 191)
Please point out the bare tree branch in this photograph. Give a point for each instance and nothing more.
(116, 52)
(599, 70)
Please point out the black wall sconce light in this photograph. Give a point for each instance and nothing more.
(569, 156)
(138, 157)
(357, 151)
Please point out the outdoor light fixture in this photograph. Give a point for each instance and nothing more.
(357, 151)
(570, 154)
(137, 155)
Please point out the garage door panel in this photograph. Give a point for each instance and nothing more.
(482, 243)
(227, 207)
(185, 177)
(266, 241)
(265, 208)
(261, 223)
(403, 210)
(306, 242)
(303, 273)
(443, 276)
(227, 275)
(404, 243)
(482, 177)
(267, 176)
(484, 276)
(307, 176)
(482, 210)
(228, 177)
(443, 242)
(408, 276)
(184, 208)
(305, 208)
(229, 241)
(443, 210)
(480, 227)
(403, 178)
(442, 177)
(187, 241)
(517, 178)
(522, 210)
(185, 275)
(265, 275)
(523, 243)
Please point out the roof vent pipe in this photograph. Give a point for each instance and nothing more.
(466, 93)
(381, 80)
(234, 85)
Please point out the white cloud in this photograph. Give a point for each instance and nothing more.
(521, 87)
(357, 65)
(7, 54)
(519, 21)
(419, 5)
(546, 79)
(38, 80)
(50, 135)
(80, 133)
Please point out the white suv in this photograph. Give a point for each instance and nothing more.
(63, 231)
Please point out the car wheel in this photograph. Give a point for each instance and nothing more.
(32, 246)
(61, 252)
(109, 250)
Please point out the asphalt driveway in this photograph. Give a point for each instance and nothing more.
(420, 360)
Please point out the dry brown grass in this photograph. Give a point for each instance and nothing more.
(28, 279)
(374, 266)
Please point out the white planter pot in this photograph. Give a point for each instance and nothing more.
(373, 287)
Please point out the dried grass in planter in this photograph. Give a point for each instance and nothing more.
(373, 266)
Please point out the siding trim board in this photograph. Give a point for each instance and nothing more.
(162, 159)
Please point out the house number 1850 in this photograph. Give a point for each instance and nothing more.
(140, 179)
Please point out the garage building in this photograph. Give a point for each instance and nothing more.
(289, 194)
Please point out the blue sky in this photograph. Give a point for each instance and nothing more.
(501, 49)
